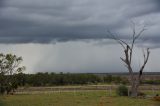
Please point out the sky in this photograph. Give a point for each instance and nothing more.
(71, 35)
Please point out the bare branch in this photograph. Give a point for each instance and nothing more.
(121, 42)
(123, 59)
(139, 34)
(146, 56)
(134, 38)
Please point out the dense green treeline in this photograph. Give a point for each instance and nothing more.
(52, 79)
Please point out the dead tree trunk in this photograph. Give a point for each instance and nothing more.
(134, 90)
(128, 51)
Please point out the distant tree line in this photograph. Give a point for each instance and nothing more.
(152, 82)
(53, 79)
(56, 79)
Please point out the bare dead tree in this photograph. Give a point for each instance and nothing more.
(128, 51)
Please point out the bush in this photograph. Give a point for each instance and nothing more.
(122, 90)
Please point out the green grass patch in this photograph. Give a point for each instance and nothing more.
(85, 98)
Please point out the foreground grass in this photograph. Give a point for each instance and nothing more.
(91, 98)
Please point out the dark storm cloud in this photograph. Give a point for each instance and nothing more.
(48, 21)
(1, 3)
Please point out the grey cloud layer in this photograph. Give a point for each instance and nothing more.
(46, 21)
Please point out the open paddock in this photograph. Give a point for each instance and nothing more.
(75, 98)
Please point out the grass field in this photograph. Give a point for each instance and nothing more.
(88, 98)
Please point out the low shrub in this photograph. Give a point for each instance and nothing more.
(122, 90)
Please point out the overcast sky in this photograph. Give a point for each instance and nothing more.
(71, 35)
